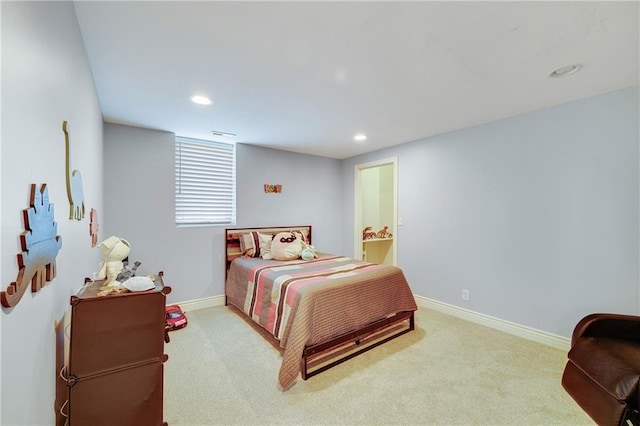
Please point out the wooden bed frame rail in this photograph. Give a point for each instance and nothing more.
(323, 356)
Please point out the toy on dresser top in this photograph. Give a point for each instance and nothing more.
(113, 251)
(113, 268)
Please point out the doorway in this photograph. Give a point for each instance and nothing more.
(376, 208)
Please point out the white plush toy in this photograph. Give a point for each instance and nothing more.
(113, 251)
(286, 246)
(308, 253)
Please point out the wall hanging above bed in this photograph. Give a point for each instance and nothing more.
(268, 188)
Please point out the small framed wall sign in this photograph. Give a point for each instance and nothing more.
(269, 188)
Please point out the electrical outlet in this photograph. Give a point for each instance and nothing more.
(465, 294)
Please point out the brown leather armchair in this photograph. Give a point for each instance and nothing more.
(603, 370)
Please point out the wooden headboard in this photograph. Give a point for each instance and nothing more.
(232, 238)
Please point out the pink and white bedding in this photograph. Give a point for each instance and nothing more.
(308, 302)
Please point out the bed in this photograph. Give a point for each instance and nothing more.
(321, 312)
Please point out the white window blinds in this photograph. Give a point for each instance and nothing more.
(205, 182)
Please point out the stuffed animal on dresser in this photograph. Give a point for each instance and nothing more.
(113, 251)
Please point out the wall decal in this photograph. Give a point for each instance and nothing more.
(40, 246)
(93, 226)
(74, 181)
(272, 188)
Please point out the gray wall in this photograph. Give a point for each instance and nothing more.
(45, 79)
(139, 187)
(536, 215)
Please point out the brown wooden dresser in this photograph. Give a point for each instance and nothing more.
(115, 356)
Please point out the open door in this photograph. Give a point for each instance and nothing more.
(376, 207)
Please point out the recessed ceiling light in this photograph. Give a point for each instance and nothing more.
(200, 100)
(360, 137)
(225, 134)
(565, 71)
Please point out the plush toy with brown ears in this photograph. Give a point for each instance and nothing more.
(113, 251)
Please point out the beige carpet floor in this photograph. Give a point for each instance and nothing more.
(448, 372)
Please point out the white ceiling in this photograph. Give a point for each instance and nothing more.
(307, 76)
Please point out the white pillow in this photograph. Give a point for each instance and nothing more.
(265, 245)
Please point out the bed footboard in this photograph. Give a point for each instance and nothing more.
(323, 356)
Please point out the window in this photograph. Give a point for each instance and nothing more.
(205, 182)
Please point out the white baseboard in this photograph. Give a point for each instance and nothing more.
(205, 302)
(529, 333)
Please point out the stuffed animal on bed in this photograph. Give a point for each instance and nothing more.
(308, 253)
(287, 245)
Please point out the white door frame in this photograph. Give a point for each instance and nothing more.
(357, 196)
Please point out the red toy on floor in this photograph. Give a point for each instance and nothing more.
(176, 319)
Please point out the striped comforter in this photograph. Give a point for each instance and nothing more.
(308, 302)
